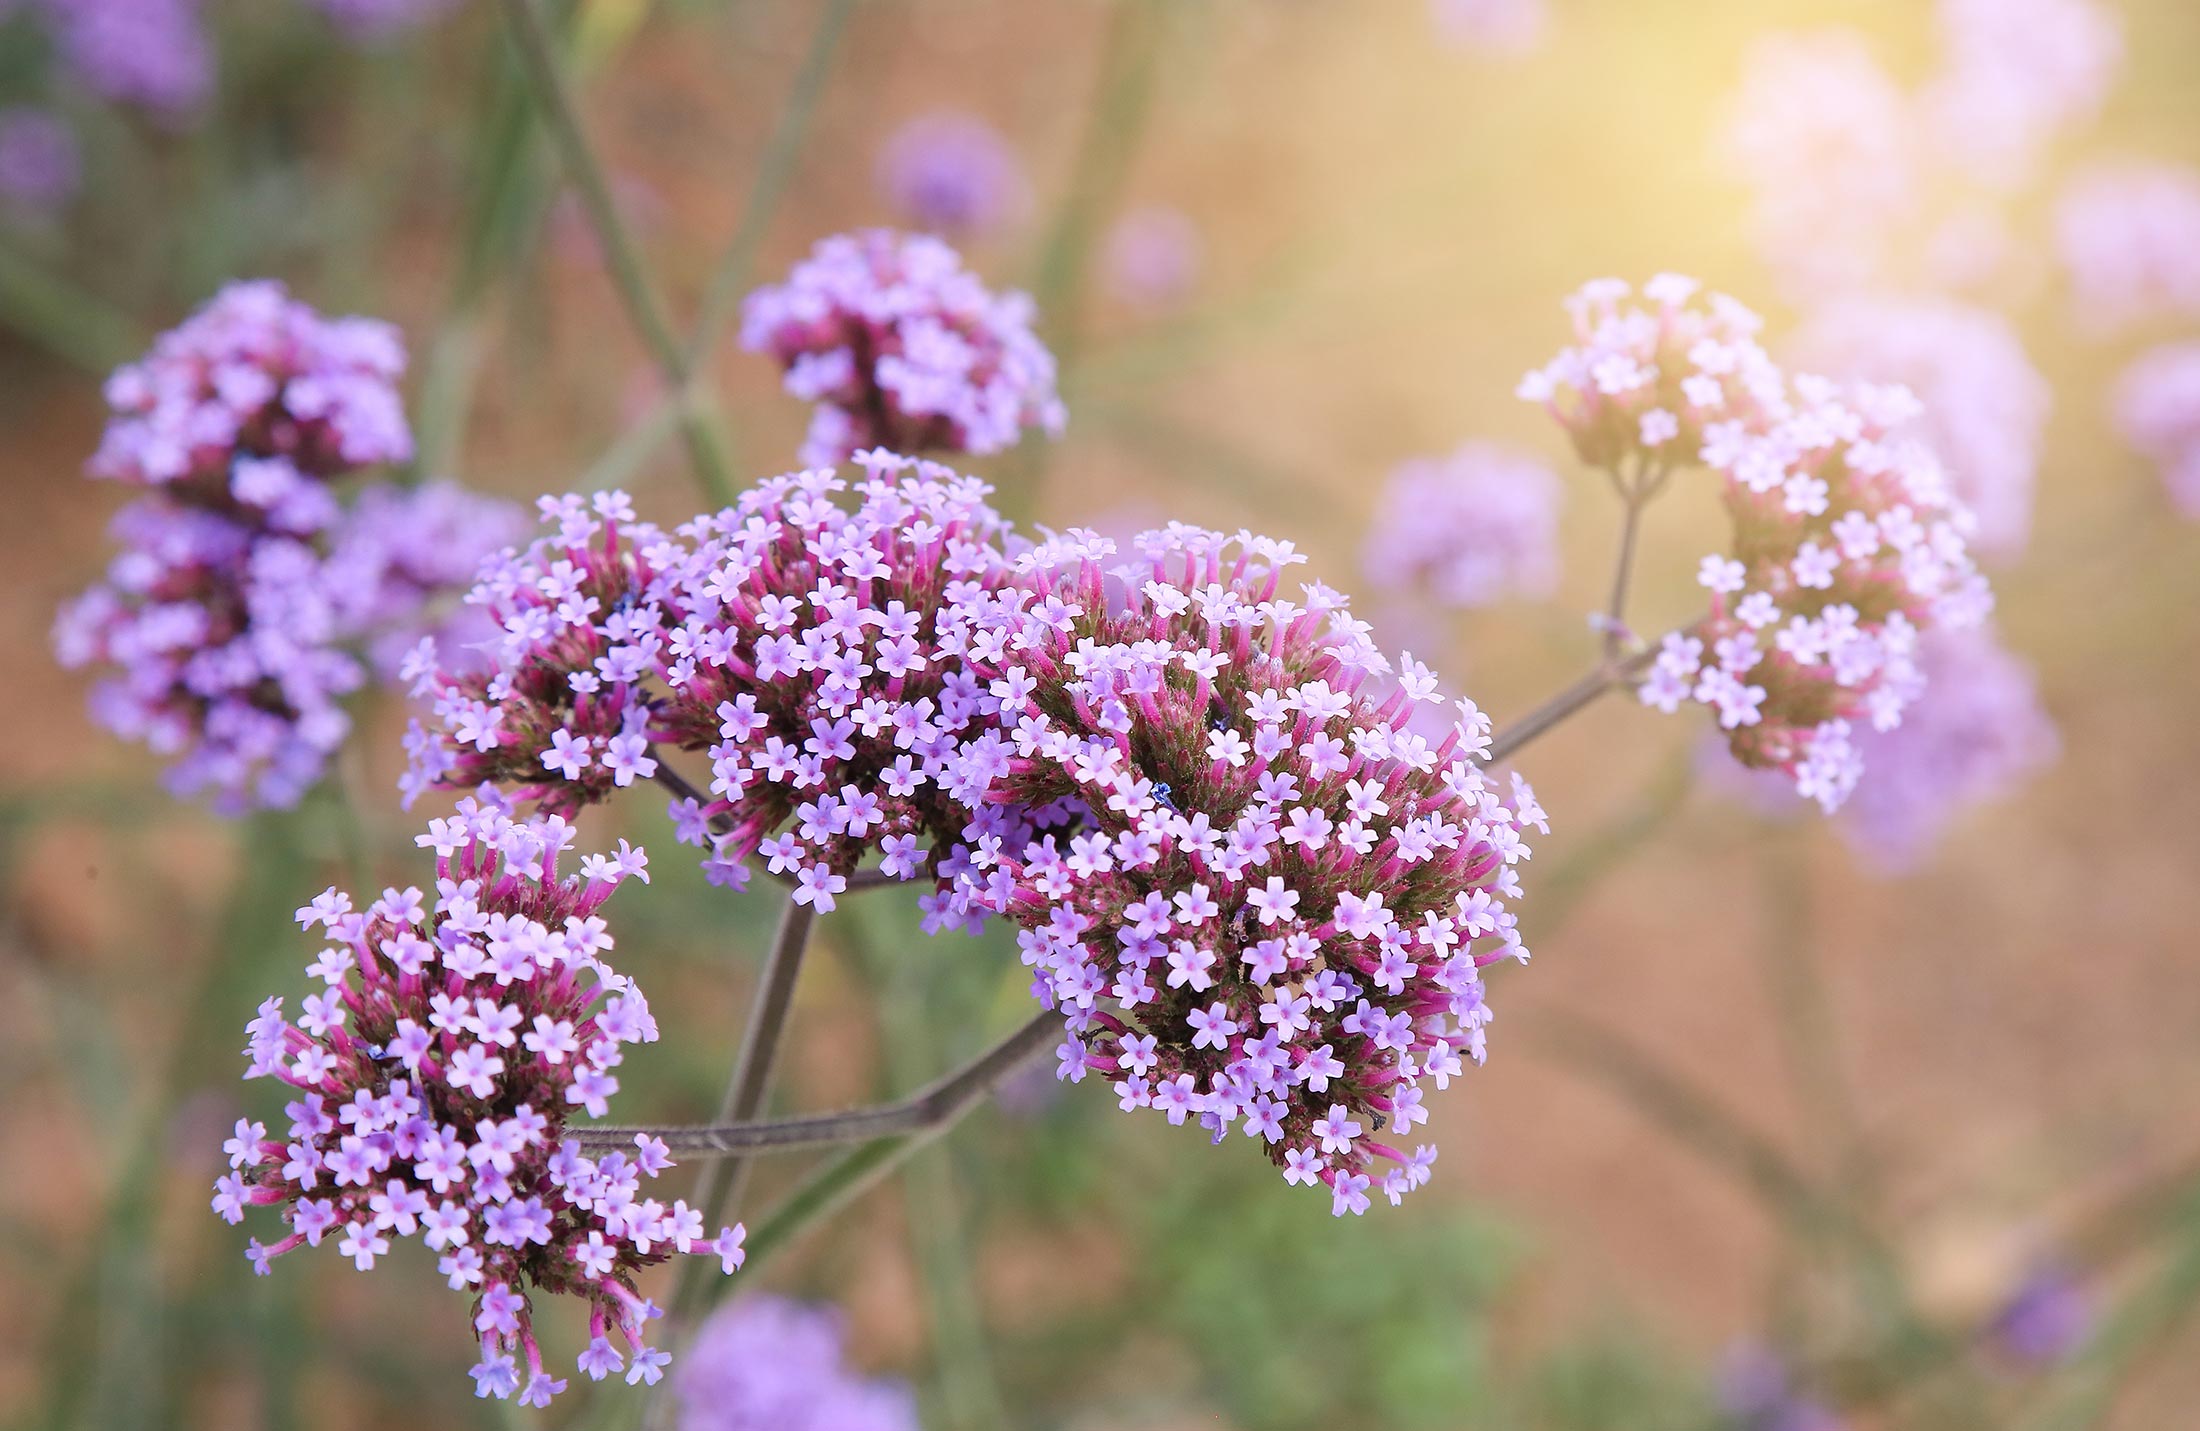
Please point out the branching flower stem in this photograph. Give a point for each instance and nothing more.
(1569, 702)
(706, 445)
(933, 1109)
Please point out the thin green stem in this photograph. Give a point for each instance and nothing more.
(1795, 983)
(1128, 60)
(1567, 703)
(63, 318)
(750, 1082)
(554, 95)
(730, 278)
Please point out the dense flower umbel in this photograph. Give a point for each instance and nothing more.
(241, 579)
(2158, 411)
(902, 348)
(767, 1364)
(952, 174)
(435, 1072)
(800, 646)
(255, 374)
(39, 165)
(1985, 404)
(1473, 528)
(2129, 237)
(1848, 541)
(152, 53)
(1979, 735)
(1270, 899)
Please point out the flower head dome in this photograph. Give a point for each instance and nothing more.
(253, 401)
(1261, 897)
(795, 642)
(434, 1074)
(903, 348)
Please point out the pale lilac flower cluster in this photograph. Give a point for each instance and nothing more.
(1981, 735)
(1985, 404)
(1859, 182)
(811, 653)
(2046, 1320)
(221, 615)
(1757, 1392)
(371, 20)
(1502, 27)
(764, 1363)
(401, 555)
(903, 348)
(2129, 236)
(952, 174)
(1470, 529)
(435, 1069)
(152, 53)
(1151, 258)
(1258, 895)
(1822, 135)
(2158, 411)
(39, 167)
(1848, 542)
(257, 375)
(2013, 75)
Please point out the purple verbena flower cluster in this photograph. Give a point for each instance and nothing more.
(903, 348)
(952, 174)
(810, 652)
(2013, 75)
(1259, 897)
(2129, 236)
(152, 53)
(1151, 258)
(2158, 411)
(39, 167)
(435, 1072)
(243, 588)
(767, 1364)
(1848, 542)
(1985, 403)
(1981, 735)
(1470, 529)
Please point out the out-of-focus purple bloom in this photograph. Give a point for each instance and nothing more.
(1978, 734)
(952, 174)
(1821, 134)
(903, 348)
(401, 555)
(244, 589)
(2158, 410)
(370, 20)
(2046, 1319)
(257, 375)
(1758, 1393)
(1985, 404)
(2129, 234)
(2014, 74)
(152, 53)
(39, 168)
(764, 1363)
(1476, 527)
(1151, 259)
(1504, 27)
